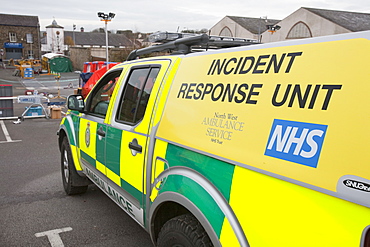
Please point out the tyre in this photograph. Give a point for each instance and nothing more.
(72, 182)
(183, 231)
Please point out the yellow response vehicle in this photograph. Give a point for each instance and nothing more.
(260, 145)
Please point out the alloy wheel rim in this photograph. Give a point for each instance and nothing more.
(65, 166)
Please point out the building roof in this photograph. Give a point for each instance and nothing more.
(98, 39)
(54, 24)
(19, 20)
(352, 21)
(253, 25)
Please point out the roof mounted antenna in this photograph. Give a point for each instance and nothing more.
(182, 46)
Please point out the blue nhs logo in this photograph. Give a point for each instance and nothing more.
(296, 141)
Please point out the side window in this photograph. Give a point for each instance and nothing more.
(100, 97)
(12, 37)
(136, 94)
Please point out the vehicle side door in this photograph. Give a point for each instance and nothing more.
(128, 132)
(92, 126)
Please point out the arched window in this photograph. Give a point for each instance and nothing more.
(299, 31)
(226, 32)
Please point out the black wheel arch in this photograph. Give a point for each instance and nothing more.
(169, 205)
(61, 135)
(365, 239)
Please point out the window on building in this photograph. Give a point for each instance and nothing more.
(12, 37)
(226, 32)
(299, 31)
(30, 54)
(29, 38)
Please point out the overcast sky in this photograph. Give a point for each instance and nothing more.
(165, 15)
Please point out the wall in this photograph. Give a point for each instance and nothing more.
(118, 54)
(99, 52)
(80, 55)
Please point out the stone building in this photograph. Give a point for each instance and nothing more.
(303, 23)
(20, 36)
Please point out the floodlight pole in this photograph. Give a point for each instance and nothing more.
(106, 41)
(106, 18)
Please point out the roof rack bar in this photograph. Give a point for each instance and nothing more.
(181, 45)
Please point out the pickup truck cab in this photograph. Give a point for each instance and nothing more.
(259, 145)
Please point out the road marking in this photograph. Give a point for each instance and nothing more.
(48, 84)
(42, 88)
(53, 236)
(8, 81)
(6, 133)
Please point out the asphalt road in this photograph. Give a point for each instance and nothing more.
(35, 211)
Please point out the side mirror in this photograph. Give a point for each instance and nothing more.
(76, 103)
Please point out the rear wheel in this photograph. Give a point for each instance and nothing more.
(72, 182)
(183, 231)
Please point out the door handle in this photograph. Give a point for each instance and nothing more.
(134, 146)
(101, 132)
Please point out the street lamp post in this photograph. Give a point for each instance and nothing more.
(106, 18)
(259, 28)
(74, 39)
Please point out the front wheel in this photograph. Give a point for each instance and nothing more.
(72, 182)
(183, 231)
